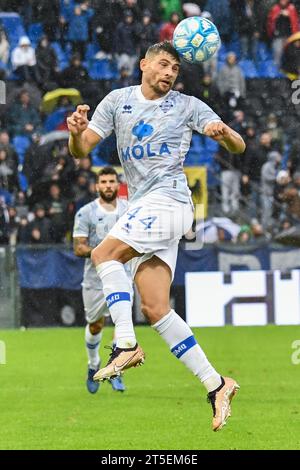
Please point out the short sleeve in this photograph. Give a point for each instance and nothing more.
(200, 115)
(81, 224)
(102, 121)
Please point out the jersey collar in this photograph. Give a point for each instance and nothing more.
(142, 99)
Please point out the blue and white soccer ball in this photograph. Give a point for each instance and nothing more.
(196, 39)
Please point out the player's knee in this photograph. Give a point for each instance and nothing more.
(96, 327)
(99, 256)
(154, 312)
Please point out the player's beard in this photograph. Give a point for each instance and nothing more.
(160, 91)
(108, 197)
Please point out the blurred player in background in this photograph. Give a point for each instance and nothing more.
(154, 126)
(92, 224)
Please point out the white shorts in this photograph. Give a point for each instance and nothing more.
(95, 304)
(153, 226)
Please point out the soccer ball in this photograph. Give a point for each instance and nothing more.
(196, 39)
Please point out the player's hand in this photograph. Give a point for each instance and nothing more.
(217, 130)
(78, 121)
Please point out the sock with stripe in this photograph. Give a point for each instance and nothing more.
(182, 343)
(92, 343)
(118, 293)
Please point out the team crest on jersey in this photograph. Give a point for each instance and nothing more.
(142, 130)
(166, 105)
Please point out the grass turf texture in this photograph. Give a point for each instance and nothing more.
(44, 403)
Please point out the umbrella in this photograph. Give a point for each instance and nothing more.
(290, 57)
(52, 136)
(290, 237)
(51, 99)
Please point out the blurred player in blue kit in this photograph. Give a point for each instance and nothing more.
(153, 126)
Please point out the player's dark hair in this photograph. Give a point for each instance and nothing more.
(108, 170)
(164, 46)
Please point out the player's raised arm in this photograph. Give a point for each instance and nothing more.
(227, 137)
(82, 140)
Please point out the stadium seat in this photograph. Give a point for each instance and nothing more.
(222, 53)
(248, 68)
(66, 8)
(268, 69)
(3, 66)
(192, 158)
(13, 25)
(103, 70)
(21, 144)
(211, 145)
(35, 31)
(91, 51)
(61, 55)
(234, 46)
(23, 181)
(263, 52)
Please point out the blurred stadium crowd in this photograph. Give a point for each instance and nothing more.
(54, 55)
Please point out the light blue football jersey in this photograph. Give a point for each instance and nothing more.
(94, 222)
(153, 137)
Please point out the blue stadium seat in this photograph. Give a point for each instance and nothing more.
(21, 144)
(234, 46)
(211, 145)
(62, 57)
(263, 52)
(66, 8)
(192, 158)
(222, 53)
(103, 70)
(23, 181)
(268, 69)
(12, 23)
(248, 68)
(98, 161)
(68, 50)
(3, 66)
(35, 31)
(221, 63)
(91, 51)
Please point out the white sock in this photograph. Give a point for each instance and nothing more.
(183, 345)
(92, 343)
(118, 292)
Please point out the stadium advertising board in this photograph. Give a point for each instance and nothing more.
(242, 298)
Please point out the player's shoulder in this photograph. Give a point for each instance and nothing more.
(87, 209)
(122, 93)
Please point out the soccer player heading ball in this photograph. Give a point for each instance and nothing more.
(153, 125)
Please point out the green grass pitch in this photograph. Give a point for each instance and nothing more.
(44, 403)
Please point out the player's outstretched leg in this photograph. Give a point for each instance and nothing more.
(93, 336)
(153, 281)
(118, 293)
